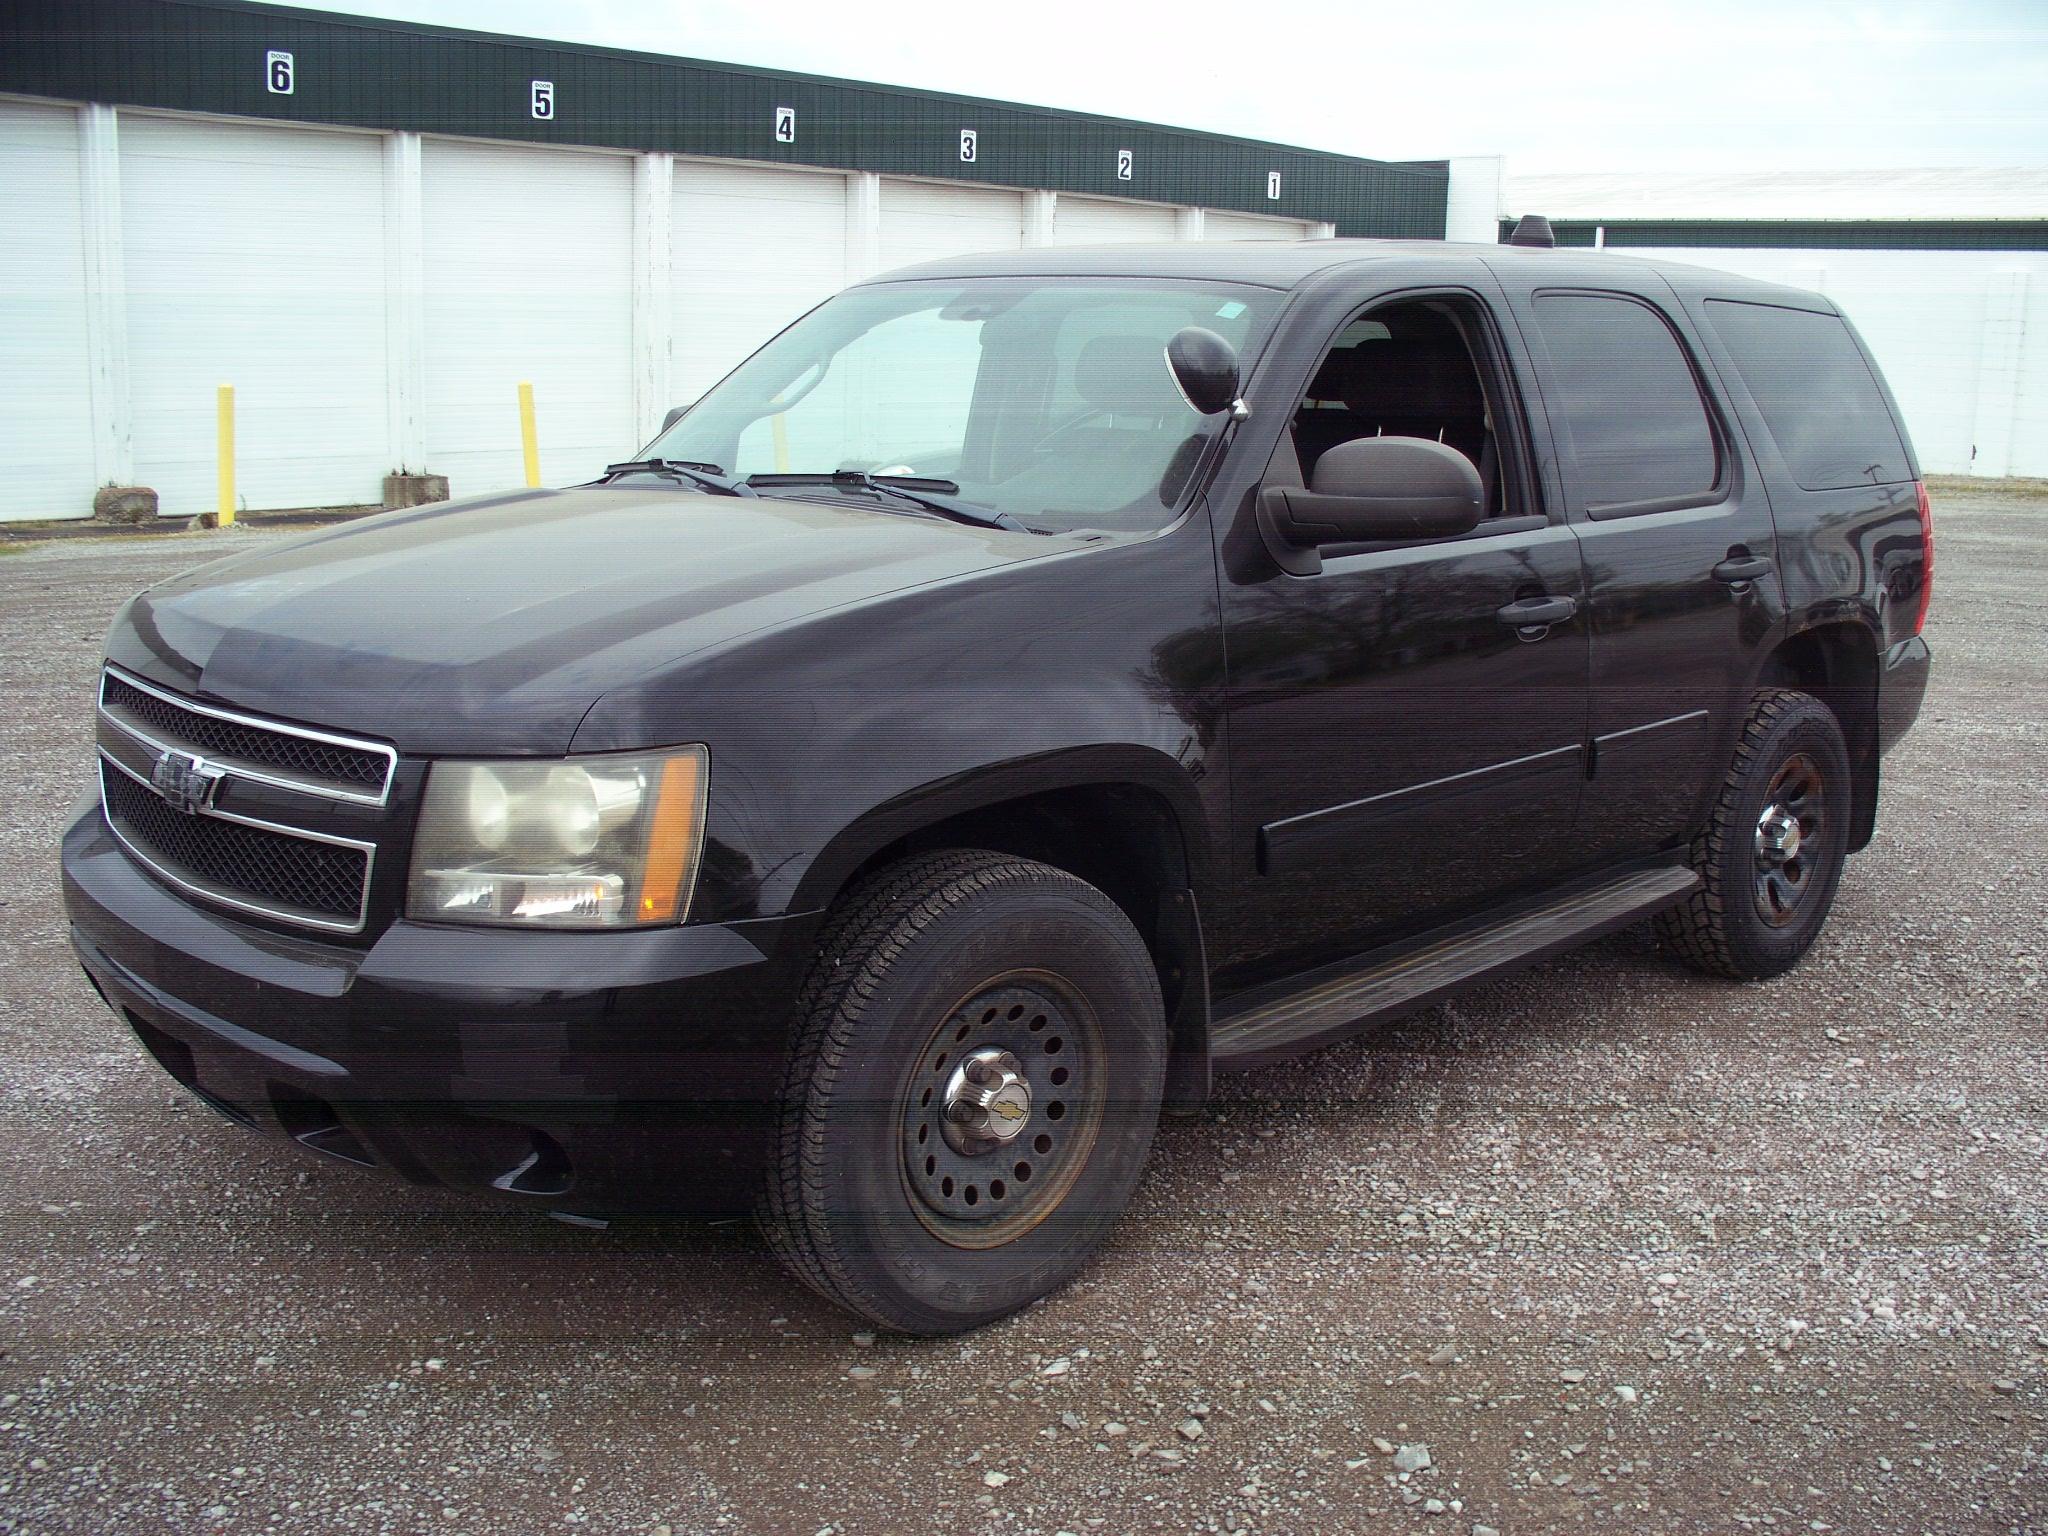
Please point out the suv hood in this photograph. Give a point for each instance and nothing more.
(492, 626)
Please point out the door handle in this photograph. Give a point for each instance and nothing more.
(1742, 568)
(1537, 612)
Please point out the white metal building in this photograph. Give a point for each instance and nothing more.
(1944, 271)
(375, 287)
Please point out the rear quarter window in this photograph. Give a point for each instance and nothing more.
(1817, 394)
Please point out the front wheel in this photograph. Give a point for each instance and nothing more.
(1774, 845)
(971, 1091)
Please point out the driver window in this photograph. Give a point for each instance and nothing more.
(1405, 370)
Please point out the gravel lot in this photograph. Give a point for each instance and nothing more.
(1605, 1246)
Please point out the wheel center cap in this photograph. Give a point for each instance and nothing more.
(988, 1102)
(1777, 836)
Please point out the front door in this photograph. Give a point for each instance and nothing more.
(1406, 739)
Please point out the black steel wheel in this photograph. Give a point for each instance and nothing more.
(1772, 852)
(973, 1087)
(1790, 835)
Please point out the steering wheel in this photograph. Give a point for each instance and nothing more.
(1066, 428)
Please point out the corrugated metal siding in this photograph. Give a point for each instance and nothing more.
(46, 386)
(1805, 234)
(208, 56)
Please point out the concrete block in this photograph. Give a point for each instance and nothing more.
(124, 504)
(413, 490)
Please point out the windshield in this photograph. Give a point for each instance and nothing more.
(1045, 399)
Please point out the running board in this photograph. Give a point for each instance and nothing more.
(1336, 1001)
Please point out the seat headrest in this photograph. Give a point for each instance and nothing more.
(1125, 375)
(1423, 376)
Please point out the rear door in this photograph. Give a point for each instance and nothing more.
(1679, 547)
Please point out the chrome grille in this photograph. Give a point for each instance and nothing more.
(303, 877)
(268, 751)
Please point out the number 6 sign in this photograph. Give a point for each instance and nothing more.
(277, 72)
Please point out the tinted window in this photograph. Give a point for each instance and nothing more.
(1816, 392)
(1629, 410)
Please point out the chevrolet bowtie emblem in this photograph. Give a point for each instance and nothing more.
(187, 782)
(1006, 1109)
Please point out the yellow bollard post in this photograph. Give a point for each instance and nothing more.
(224, 410)
(528, 439)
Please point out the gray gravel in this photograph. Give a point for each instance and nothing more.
(1605, 1246)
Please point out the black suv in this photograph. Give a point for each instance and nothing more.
(1028, 684)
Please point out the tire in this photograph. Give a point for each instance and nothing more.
(1757, 910)
(923, 1220)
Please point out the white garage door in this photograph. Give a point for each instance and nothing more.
(1097, 221)
(528, 278)
(45, 383)
(751, 250)
(1244, 226)
(255, 257)
(923, 221)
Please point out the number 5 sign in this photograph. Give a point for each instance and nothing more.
(543, 99)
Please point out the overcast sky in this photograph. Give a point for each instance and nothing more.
(1560, 86)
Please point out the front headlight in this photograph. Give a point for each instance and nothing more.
(587, 842)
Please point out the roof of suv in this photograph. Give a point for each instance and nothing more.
(1290, 263)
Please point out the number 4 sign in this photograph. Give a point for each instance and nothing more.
(785, 125)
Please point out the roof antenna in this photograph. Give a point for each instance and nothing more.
(1533, 229)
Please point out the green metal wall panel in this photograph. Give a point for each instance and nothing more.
(1805, 234)
(208, 56)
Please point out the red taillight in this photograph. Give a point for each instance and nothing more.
(1926, 556)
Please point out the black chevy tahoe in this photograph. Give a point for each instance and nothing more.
(1030, 683)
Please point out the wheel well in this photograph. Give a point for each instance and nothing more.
(1127, 842)
(1837, 664)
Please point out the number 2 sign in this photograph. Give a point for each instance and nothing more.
(1123, 165)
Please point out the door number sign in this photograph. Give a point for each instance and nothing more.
(785, 125)
(277, 72)
(543, 100)
(967, 145)
(1273, 185)
(1123, 165)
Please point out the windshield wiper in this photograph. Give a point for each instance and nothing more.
(712, 477)
(933, 495)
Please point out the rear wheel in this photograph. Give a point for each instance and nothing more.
(972, 1090)
(1772, 852)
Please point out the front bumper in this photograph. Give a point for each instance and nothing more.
(594, 1073)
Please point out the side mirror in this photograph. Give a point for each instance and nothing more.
(1204, 369)
(675, 414)
(1378, 490)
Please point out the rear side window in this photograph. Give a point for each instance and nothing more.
(1823, 407)
(1629, 406)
